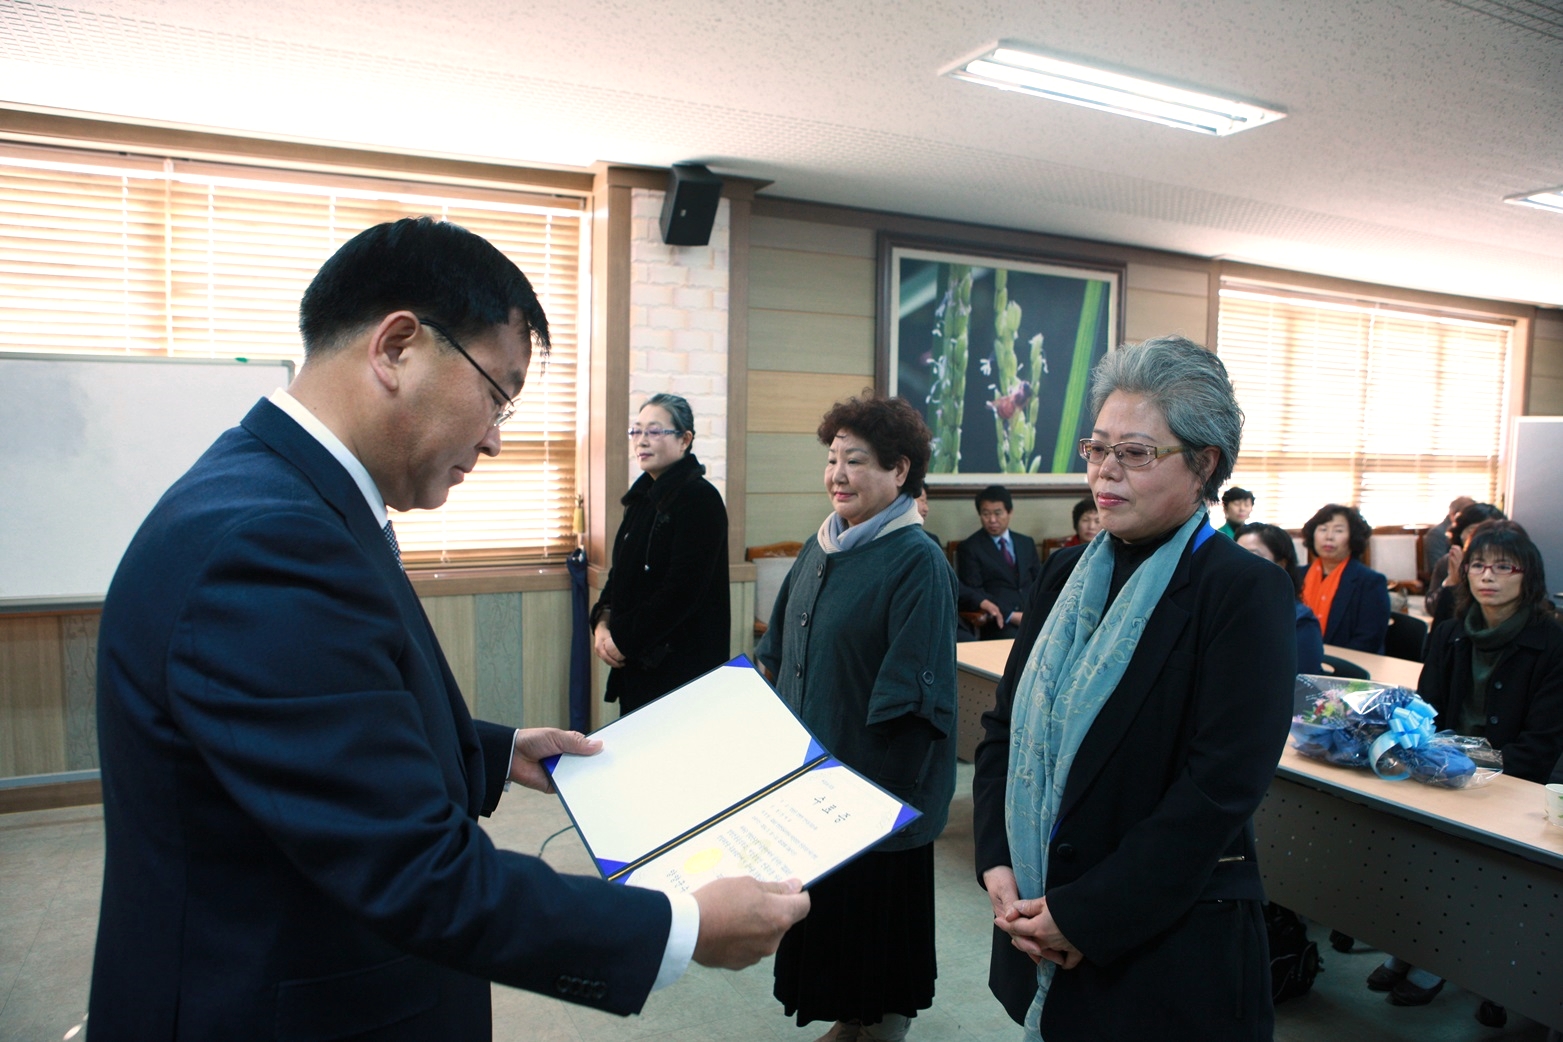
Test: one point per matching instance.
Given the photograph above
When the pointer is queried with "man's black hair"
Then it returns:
(435, 269)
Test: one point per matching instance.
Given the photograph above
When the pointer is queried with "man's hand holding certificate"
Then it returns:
(719, 779)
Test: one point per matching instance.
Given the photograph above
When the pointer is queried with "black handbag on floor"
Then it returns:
(1294, 960)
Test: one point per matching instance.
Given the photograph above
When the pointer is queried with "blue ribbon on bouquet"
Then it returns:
(1410, 727)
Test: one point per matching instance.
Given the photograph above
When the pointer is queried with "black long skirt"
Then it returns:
(866, 947)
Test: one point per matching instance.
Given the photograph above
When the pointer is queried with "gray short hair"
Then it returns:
(678, 410)
(1190, 387)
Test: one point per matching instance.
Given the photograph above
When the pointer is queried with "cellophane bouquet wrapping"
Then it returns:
(1359, 723)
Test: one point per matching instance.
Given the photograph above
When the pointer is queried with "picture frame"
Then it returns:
(995, 348)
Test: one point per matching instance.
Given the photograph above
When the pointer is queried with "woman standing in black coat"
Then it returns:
(663, 618)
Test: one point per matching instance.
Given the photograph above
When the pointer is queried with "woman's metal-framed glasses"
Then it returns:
(651, 432)
(502, 413)
(1501, 569)
(1131, 454)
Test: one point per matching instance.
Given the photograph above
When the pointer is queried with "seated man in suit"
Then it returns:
(291, 780)
(1000, 563)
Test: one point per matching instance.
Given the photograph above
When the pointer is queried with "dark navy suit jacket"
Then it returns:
(291, 785)
(979, 564)
(1359, 614)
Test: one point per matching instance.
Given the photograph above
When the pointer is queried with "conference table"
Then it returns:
(1467, 883)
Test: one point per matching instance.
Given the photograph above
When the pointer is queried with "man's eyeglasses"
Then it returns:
(1131, 454)
(502, 413)
(651, 432)
(1502, 569)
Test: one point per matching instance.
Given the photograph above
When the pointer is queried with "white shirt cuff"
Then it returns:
(682, 934)
(512, 761)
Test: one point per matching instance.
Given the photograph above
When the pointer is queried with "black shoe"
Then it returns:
(1490, 1014)
(1341, 942)
(1407, 994)
(1384, 979)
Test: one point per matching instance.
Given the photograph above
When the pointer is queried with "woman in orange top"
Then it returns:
(1350, 599)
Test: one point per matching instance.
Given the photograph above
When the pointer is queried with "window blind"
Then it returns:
(104, 253)
(1394, 411)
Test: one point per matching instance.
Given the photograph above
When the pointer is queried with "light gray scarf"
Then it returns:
(1074, 667)
(834, 535)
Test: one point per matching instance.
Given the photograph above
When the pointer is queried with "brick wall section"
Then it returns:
(678, 327)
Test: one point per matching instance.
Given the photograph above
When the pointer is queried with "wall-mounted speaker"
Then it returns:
(689, 207)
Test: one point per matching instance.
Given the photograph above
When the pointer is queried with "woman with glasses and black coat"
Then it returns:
(663, 618)
(1494, 670)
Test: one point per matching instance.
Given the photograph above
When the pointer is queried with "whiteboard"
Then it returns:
(88, 445)
(1535, 492)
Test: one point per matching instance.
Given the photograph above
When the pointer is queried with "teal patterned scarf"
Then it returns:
(1074, 667)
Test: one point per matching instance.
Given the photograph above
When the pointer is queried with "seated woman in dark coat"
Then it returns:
(1494, 670)
(1136, 728)
(663, 617)
(1350, 599)
(1275, 545)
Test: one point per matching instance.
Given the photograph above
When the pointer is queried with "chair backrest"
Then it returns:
(1407, 637)
(1052, 543)
(1339, 667)
(1395, 555)
(772, 562)
(950, 549)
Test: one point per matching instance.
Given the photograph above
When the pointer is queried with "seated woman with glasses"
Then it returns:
(1136, 729)
(1494, 670)
(1350, 599)
(663, 617)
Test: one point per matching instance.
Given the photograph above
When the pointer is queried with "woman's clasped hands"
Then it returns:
(1027, 921)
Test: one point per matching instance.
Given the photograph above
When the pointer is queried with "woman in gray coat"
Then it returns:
(862, 646)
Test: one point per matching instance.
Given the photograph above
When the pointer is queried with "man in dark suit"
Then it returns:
(1001, 563)
(291, 780)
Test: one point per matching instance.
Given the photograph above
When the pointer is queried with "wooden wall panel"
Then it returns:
(454, 621)
(497, 621)
(805, 342)
(792, 403)
(1151, 313)
(79, 666)
(779, 517)
(545, 659)
(32, 694)
(785, 463)
(812, 237)
(791, 280)
(1546, 366)
(741, 598)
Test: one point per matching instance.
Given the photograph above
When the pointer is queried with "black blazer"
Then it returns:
(291, 785)
(1359, 614)
(666, 597)
(1161, 794)
(979, 564)
(1524, 695)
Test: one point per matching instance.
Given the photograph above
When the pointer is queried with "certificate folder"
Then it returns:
(719, 778)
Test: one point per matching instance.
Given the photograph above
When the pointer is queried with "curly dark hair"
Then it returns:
(1506, 541)
(1361, 531)
(1279, 543)
(891, 426)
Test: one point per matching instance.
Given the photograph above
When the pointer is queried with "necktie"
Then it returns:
(390, 539)
(1003, 545)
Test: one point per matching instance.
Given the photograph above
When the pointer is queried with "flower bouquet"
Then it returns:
(1358, 723)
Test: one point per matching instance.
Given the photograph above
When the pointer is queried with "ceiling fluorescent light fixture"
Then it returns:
(1010, 66)
(1546, 199)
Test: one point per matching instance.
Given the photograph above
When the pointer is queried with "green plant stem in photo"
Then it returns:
(947, 397)
(1014, 400)
(1079, 373)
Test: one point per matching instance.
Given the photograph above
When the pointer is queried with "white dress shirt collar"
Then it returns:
(332, 444)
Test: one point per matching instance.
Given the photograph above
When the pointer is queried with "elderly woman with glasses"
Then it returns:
(663, 617)
(1136, 729)
(1494, 670)
(862, 647)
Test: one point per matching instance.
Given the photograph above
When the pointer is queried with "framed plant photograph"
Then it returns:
(996, 350)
